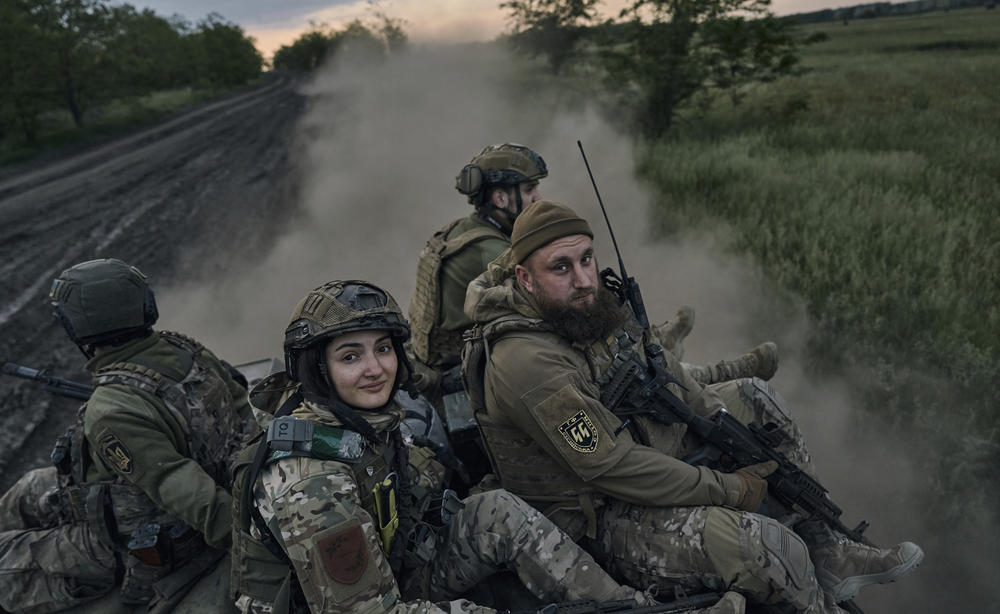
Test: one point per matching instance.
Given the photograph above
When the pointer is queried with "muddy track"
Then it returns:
(194, 197)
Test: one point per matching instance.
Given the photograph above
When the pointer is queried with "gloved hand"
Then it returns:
(753, 487)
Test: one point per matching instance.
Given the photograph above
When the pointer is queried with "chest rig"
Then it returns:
(381, 470)
(195, 397)
(431, 344)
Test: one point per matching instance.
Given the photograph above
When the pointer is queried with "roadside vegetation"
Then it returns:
(380, 37)
(74, 68)
(866, 181)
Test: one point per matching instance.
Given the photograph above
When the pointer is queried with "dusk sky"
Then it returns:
(274, 23)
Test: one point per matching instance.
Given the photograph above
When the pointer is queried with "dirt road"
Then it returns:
(172, 199)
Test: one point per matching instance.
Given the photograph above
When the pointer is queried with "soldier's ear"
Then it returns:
(524, 278)
(500, 198)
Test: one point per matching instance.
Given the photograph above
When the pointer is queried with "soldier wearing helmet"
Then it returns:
(140, 482)
(498, 182)
(336, 511)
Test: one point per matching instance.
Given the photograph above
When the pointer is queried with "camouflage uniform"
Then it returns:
(644, 513)
(150, 446)
(321, 512)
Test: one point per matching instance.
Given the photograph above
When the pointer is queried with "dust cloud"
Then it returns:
(379, 147)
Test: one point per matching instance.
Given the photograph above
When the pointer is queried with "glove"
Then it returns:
(753, 487)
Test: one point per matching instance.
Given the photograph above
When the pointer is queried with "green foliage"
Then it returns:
(225, 56)
(660, 55)
(549, 27)
(869, 186)
(80, 54)
(356, 42)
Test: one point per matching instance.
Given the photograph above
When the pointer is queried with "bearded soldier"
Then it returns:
(337, 512)
(140, 483)
(499, 182)
(551, 334)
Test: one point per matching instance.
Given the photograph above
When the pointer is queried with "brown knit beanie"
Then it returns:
(541, 223)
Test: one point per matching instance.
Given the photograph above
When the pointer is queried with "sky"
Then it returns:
(273, 23)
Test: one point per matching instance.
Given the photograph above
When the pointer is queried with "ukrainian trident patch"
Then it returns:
(579, 431)
(116, 454)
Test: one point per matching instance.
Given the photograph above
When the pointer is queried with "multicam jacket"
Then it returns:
(321, 510)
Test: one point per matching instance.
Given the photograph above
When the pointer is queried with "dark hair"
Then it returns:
(311, 370)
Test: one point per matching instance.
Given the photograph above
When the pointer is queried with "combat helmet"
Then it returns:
(335, 308)
(103, 302)
(503, 164)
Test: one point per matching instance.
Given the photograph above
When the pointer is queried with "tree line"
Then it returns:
(376, 39)
(658, 56)
(78, 54)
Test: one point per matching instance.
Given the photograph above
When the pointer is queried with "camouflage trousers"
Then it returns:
(46, 566)
(708, 547)
(497, 531)
(754, 400)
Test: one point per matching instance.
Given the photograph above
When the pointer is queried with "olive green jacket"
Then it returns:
(462, 268)
(544, 386)
(142, 427)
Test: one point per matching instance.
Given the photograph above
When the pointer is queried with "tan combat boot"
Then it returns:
(762, 362)
(844, 566)
(672, 333)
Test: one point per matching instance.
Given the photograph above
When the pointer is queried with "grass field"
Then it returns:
(870, 185)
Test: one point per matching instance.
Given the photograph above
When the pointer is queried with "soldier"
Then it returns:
(335, 512)
(140, 483)
(499, 183)
(551, 331)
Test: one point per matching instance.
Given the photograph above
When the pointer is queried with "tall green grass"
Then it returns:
(870, 186)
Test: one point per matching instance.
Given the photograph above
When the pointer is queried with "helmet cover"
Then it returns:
(503, 164)
(103, 301)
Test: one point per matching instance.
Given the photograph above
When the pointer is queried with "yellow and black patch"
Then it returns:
(580, 432)
(116, 454)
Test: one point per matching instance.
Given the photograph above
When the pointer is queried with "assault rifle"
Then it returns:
(638, 387)
(56, 385)
(681, 603)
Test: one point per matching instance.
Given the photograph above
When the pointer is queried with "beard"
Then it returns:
(584, 324)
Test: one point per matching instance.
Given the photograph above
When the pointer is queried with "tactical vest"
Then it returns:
(430, 343)
(197, 397)
(261, 574)
(262, 571)
(522, 466)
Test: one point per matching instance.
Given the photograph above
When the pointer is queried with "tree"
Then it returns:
(307, 52)
(225, 56)
(27, 72)
(660, 54)
(549, 27)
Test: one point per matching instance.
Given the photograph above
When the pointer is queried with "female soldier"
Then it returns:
(343, 516)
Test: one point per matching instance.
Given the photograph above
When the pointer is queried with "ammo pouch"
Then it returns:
(257, 573)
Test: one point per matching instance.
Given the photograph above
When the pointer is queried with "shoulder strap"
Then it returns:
(249, 502)
(470, 236)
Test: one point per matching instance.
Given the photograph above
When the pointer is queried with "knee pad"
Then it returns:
(760, 557)
(768, 405)
(789, 550)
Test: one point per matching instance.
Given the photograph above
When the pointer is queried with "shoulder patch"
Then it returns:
(344, 554)
(115, 453)
(580, 432)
